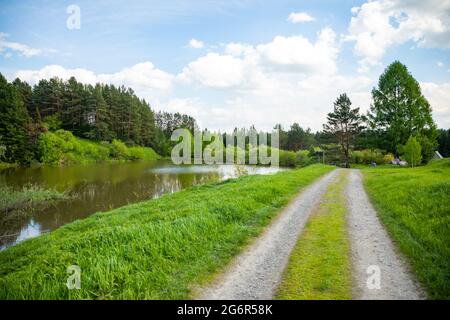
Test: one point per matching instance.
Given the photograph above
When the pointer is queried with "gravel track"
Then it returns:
(372, 246)
(256, 273)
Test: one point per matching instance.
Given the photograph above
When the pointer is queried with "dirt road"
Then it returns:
(256, 273)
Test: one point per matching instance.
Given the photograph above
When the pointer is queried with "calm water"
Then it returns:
(101, 187)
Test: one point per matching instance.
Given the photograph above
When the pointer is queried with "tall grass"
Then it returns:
(27, 197)
(414, 204)
(159, 249)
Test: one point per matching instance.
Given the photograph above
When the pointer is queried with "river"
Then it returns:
(102, 187)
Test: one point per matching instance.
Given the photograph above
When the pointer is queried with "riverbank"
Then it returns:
(158, 249)
(414, 206)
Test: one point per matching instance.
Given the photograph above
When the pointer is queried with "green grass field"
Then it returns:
(159, 249)
(414, 204)
(319, 267)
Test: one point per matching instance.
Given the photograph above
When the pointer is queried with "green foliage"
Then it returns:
(303, 158)
(158, 249)
(414, 206)
(388, 158)
(428, 146)
(62, 147)
(367, 156)
(399, 109)
(344, 123)
(13, 124)
(412, 152)
(2, 149)
(118, 150)
(287, 158)
(52, 122)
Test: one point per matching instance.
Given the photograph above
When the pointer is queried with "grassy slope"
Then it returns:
(62, 147)
(156, 249)
(414, 204)
(319, 267)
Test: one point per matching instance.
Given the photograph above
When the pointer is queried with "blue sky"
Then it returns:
(251, 64)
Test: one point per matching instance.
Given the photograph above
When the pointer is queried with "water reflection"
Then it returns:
(102, 187)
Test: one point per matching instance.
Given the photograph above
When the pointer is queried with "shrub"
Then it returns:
(388, 157)
(357, 157)
(118, 149)
(287, 158)
(367, 156)
(135, 153)
(303, 159)
(52, 122)
(50, 148)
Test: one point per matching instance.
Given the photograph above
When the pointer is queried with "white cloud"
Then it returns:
(300, 17)
(20, 48)
(215, 70)
(248, 67)
(196, 44)
(439, 96)
(440, 64)
(298, 54)
(146, 80)
(377, 25)
(50, 71)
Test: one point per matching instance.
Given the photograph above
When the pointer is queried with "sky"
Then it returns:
(233, 63)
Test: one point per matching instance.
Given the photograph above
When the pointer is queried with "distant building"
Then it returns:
(437, 155)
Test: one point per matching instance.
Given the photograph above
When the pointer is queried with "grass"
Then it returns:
(319, 267)
(26, 198)
(159, 249)
(18, 205)
(5, 165)
(414, 204)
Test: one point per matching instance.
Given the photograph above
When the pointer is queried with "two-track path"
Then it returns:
(257, 272)
(371, 247)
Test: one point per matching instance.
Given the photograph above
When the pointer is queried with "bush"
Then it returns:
(303, 158)
(50, 148)
(288, 158)
(367, 156)
(135, 153)
(52, 122)
(118, 150)
(388, 158)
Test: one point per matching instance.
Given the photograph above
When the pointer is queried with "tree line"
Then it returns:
(399, 120)
(100, 112)
(399, 113)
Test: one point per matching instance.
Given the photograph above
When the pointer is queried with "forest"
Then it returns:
(118, 118)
